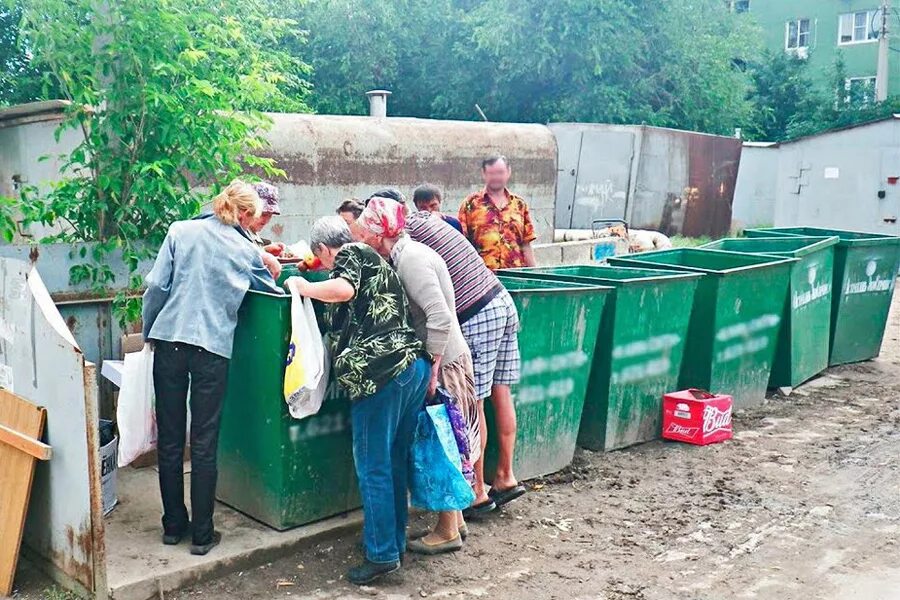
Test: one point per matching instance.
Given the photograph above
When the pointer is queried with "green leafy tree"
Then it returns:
(666, 63)
(783, 97)
(20, 80)
(841, 106)
(358, 45)
(166, 95)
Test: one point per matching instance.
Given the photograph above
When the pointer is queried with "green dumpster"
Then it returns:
(802, 351)
(559, 323)
(734, 321)
(279, 470)
(865, 271)
(639, 349)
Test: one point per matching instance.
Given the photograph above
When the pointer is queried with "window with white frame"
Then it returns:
(741, 6)
(796, 34)
(859, 90)
(857, 27)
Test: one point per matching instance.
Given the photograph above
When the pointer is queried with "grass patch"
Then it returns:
(680, 241)
(57, 593)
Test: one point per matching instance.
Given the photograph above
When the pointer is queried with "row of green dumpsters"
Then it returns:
(600, 345)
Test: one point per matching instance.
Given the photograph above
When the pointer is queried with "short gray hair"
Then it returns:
(331, 232)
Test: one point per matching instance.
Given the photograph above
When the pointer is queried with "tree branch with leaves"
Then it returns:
(167, 95)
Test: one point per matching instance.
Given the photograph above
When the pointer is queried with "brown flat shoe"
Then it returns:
(422, 547)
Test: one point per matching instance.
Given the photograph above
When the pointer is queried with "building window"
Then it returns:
(860, 91)
(797, 34)
(741, 6)
(857, 27)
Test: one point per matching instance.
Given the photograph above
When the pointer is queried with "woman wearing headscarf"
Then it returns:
(433, 307)
(202, 273)
(379, 362)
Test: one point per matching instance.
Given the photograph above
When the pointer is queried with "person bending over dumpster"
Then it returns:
(268, 193)
(350, 209)
(427, 282)
(379, 362)
(490, 324)
(428, 197)
(202, 272)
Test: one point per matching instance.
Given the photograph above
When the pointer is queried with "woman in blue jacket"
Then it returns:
(204, 268)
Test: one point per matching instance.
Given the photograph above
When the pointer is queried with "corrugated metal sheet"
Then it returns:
(678, 182)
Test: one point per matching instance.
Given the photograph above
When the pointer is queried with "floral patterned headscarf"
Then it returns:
(384, 217)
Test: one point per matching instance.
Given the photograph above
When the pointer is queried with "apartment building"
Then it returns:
(817, 30)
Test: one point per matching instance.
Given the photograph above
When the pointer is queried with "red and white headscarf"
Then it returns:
(384, 217)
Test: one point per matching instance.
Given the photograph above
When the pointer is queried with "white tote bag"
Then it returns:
(307, 364)
(136, 411)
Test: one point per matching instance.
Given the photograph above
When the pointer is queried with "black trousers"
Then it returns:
(175, 367)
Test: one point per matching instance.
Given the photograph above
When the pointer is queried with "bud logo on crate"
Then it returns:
(696, 417)
(676, 429)
(715, 420)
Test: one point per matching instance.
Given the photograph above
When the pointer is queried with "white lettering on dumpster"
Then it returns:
(801, 299)
(640, 371)
(317, 426)
(873, 283)
(658, 363)
(748, 328)
(746, 338)
(551, 364)
(657, 343)
(535, 394)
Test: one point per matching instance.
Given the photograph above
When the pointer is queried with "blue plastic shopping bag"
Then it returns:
(436, 479)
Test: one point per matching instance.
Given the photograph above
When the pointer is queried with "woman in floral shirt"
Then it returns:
(379, 361)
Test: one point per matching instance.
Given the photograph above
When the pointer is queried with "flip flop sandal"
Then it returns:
(479, 510)
(501, 497)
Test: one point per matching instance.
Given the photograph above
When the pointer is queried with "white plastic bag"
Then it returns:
(136, 411)
(307, 366)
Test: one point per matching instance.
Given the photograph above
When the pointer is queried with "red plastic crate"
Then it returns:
(697, 417)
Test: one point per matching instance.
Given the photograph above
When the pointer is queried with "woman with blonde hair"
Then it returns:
(202, 272)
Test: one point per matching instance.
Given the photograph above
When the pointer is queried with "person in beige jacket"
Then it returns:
(428, 286)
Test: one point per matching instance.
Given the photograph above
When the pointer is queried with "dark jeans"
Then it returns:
(175, 366)
(383, 428)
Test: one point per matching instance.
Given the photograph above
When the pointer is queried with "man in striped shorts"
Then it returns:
(490, 324)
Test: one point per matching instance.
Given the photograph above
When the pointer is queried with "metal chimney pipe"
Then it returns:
(378, 103)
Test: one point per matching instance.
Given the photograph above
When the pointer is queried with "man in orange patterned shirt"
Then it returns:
(497, 221)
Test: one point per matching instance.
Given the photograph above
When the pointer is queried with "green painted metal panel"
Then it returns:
(865, 274)
(639, 349)
(806, 329)
(735, 319)
(559, 323)
(279, 470)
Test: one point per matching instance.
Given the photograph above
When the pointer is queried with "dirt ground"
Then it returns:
(804, 503)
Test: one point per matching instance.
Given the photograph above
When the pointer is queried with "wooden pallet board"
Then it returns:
(23, 425)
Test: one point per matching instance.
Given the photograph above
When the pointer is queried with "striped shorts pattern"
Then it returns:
(493, 338)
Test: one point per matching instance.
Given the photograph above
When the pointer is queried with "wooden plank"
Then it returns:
(23, 443)
(16, 475)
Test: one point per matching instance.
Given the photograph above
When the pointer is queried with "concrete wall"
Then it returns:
(754, 193)
(833, 180)
(329, 158)
(24, 140)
